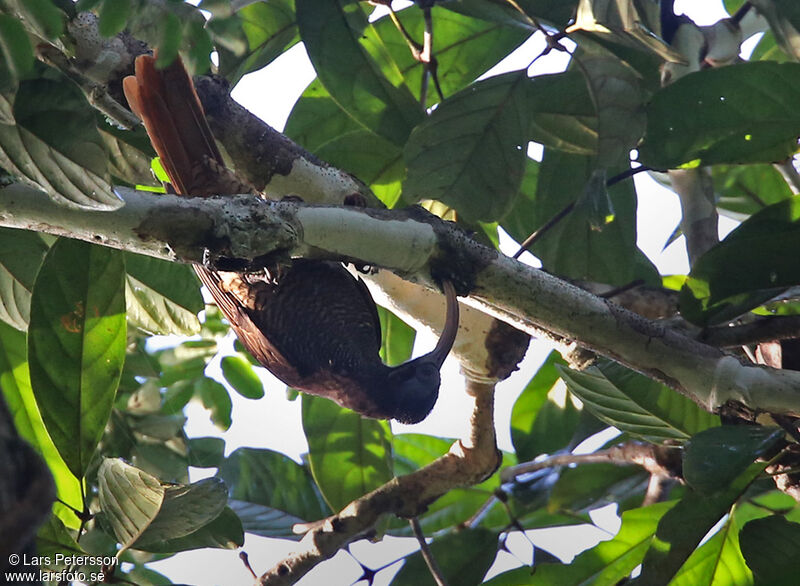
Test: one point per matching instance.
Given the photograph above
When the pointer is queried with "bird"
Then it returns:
(312, 323)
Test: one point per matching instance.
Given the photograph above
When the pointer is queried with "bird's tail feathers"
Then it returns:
(166, 101)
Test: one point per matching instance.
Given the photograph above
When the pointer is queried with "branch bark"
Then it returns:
(421, 248)
(469, 461)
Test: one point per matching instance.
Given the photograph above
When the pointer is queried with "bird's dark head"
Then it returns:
(414, 388)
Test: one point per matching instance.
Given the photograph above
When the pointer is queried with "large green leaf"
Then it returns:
(317, 119)
(129, 498)
(269, 29)
(717, 561)
(464, 47)
(771, 547)
(713, 458)
(563, 115)
(470, 153)
(282, 490)
(636, 404)
(684, 526)
(618, 96)
(349, 455)
(21, 254)
(239, 373)
(742, 113)
(555, 12)
(463, 557)
(574, 247)
(397, 338)
(605, 564)
(331, 30)
(223, 532)
(373, 159)
(543, 418)
(76, 344)
(591, 486)
(184, 510)
(16, 48)
(744, 190)
(56, 146)
(16, 388)
(162, 297)
(750, 266)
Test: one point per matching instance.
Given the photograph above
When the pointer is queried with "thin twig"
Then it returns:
(779, 327)
(539, 232)
(96, 93)
(427, 554)
(654, 459)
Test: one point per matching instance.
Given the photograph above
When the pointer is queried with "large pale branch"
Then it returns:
(421, 248)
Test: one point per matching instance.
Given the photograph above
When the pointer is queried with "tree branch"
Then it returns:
(422, 248)
(468, 462)
(658, 460)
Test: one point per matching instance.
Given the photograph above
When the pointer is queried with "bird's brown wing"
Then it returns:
(166, 101)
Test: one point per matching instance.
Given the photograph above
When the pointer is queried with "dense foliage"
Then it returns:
(104, 408)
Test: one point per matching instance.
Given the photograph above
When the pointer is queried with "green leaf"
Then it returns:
(555, 12)
(713, 458)
(317, 119)
(572, 248)
(76, 344)
(54, 538)
(636, 404)
(717, 561)
(742, 113)
(162, 297)
(605, 564)
(130, 499)
(186, 361)
(397, 338)
(563, 115)
(591, 486)
(771, 547)
(21, 254)
(128, 159)
(463, 557)
(283, 490)
(72, 172)
(206, 452)
(170, 39)
(744, 190)
(470, 153)
(216, 399)
(374, 160)
(238, 371)
(16, 390)
(681, 530)
(184, 510)
(16, 46)
(224, 532)
(41, 17)
(755, 252)
(465, 48)
(269, 29)
(349, 455)
(543, 418)
(114, 16)
(618, 96)
(330, 30)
